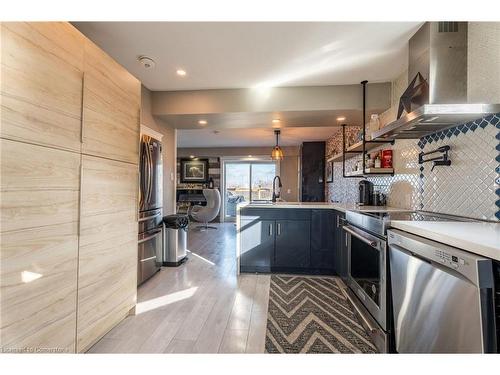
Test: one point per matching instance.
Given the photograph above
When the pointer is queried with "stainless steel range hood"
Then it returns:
(431, 118)
(438, 50)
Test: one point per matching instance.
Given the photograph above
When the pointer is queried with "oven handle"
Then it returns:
(360, 237)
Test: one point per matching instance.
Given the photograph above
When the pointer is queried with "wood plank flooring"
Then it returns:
(199, 307)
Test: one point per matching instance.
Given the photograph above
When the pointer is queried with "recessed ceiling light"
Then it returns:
(181, 72)
(249, 156)
(202, 122)
(191, 156)
(341, 118)
(276, 121)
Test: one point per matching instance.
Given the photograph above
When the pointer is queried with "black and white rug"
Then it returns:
(309, 314)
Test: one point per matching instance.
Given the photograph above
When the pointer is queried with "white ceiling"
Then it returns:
(242, 55)
(255, 137)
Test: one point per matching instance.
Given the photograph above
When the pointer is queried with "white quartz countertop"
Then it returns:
(320, 205)
(478, 238)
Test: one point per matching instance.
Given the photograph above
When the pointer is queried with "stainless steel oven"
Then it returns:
(367, 279)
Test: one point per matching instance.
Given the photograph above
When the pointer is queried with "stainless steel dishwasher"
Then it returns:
(443, 297)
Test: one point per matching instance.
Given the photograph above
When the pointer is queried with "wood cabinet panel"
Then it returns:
(107, 279)
(42, 83)
(111, 108)
(38, 287)
(39, 236)
(39, 186)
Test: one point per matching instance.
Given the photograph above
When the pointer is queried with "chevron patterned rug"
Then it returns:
(309, 314)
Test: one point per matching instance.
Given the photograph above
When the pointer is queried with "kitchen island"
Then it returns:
(294, 237)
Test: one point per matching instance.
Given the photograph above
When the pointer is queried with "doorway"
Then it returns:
(246, 181)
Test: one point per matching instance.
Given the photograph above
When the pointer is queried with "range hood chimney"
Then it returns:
(438, 51)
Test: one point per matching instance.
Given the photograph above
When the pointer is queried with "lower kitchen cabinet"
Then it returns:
(288, 240)
(323, 239)
(341, 255)
(292, 247)
(257, 245)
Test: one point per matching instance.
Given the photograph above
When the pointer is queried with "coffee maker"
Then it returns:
(365, 193)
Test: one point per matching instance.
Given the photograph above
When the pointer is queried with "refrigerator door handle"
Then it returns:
(148, 174)
(143, 187)
(155, 234)
(150, 190)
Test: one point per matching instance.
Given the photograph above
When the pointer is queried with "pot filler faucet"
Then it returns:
(276, 196)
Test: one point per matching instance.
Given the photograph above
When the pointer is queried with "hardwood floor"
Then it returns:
(199, 307)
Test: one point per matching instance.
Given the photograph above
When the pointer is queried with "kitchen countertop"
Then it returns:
(480, 238)
(320, 205)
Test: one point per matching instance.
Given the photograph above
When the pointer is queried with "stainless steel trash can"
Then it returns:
(175, 228)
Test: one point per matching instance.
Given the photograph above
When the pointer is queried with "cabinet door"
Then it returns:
(39, 246)
(323, 239)
(256, 245)
(107, 278)
(111, 108)
(293, 243)
(341, 247)
(41, 94)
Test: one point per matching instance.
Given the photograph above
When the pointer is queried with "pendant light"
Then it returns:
(277, 153)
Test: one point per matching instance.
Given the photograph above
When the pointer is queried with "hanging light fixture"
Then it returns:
(277, 153)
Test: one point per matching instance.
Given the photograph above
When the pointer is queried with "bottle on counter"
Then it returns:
(377, 163)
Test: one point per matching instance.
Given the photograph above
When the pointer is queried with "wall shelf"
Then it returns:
(371, 172)
(362, 147)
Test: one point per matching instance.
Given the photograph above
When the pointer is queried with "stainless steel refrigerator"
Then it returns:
(150, 208)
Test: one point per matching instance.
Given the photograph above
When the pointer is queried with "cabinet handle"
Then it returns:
(279, 229)
(270, 229)
(338, 221)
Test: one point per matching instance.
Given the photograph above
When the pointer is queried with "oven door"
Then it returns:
(366, 266)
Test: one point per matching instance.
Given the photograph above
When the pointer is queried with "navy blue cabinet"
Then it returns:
(340, 247)
(290, 240)
(292, 246)
(323, 239)
(256, 245)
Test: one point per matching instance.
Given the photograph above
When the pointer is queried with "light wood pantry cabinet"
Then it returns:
(69, 140)
(111, 108)
(42, 84)
(39, 246)
(107, 277)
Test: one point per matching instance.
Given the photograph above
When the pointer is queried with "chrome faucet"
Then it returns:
(275, 196)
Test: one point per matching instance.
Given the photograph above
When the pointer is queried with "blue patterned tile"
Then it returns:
(498, 215)
(483, 124)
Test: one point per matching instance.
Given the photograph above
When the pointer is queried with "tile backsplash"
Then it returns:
(469, 187)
